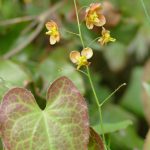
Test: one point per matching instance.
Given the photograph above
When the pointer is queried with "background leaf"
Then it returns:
(11, 75)
(113, 127)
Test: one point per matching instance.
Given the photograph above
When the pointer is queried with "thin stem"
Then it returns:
(92, 86)
(79, 28)
(98, 104)
(145, 10)
(17, 20)
(93, 41)
(82, 72)
(101, 124)
(105, 100)
(72, 32)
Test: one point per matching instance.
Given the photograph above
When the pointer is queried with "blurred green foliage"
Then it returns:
(112, 65)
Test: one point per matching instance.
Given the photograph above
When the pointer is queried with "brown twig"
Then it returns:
(17, 20)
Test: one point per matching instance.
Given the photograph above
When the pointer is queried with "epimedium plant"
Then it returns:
(64, 123)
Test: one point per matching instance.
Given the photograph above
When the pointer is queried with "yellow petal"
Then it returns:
(48, 25)
(105, 32)
(58, 37)
(51, 24)
(52, 40)
(89, 25)
(112, 39)
(87, 52)
(95, 6)
(48, 32)
(101, 21)
(101, 41)
(74, 56)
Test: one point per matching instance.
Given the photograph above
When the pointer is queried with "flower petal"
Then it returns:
(95, 6)
(89, 25)
(112, 39)
(53, 40)
(101, 21)
(87, 52)
(74, 56)
(48, 25)
(51, 24)
(57, 37)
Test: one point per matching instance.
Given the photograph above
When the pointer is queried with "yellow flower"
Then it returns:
(106, 37)
(81, 59)
(53, 32)
(94, 16)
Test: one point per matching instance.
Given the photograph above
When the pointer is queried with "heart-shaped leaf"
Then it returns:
(95, 142)
(62, 125)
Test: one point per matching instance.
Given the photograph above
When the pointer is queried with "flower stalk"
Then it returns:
(98, 104)
(89, 77)
(79, 26)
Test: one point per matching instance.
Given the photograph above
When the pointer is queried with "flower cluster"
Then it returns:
(81, 59)
(93, 17)
(105, 37)
(53, 32)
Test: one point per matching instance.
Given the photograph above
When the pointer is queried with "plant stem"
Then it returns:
(79, 28)
(90, 80)
(70, 32)
(98, 104)
(92, 86)
(82, 72)
(17, 20)
(106, 99)
(93, 41)
(145, 10)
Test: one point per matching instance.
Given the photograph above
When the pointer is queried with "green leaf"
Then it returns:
(113, 50)
(63, 124)
(126, 140)
(113, 127)
(132, 98)
(57, 65)
(11, 75)
(95, 141)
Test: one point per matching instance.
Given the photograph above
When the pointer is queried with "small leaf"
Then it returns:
(113, 127)
(62, 125)
(95, 142)
(126, 140)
